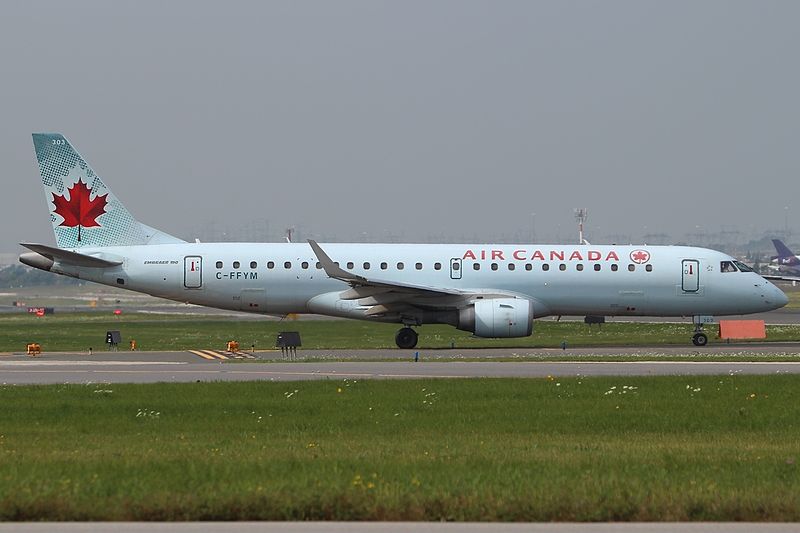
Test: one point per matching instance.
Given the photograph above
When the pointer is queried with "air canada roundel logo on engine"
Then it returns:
(640, 256)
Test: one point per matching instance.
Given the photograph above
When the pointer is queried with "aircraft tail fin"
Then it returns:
(85, 212)
(782, 249)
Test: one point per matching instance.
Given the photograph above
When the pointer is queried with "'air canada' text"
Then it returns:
(547, 255)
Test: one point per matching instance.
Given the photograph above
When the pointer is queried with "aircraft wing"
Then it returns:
(780, 278)
(385, 297)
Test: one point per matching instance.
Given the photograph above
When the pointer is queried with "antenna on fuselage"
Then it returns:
(289, 232)
(581, 215)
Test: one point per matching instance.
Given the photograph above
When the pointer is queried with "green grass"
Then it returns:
(585, 449)
(79, 331)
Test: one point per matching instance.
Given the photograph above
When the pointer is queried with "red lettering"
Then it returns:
(556, 255)
(594, 255)
(538, 255)
(612, 255)
(498, 254)
(469, 254)
(519, 255)
(483, 254)
(576, 255)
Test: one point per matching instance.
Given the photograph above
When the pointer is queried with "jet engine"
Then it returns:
(498, 317)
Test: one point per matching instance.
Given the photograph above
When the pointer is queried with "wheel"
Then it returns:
(406, 338)
(700, 339)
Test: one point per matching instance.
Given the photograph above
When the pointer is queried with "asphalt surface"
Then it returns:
(153, 367)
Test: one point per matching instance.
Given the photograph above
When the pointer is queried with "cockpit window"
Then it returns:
(727, 266)
(743, 267)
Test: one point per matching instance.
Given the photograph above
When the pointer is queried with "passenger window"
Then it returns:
(476, 266)
(545, 267)
(614, 267)
(319, 265)
(287, 265)
(304, 265)
(384, 266)
(418, 266)
(562, 266)
(270, 264)
(253, 264)
(579, 267)
(236, 264)
(350, 264)
(366, 266)
(597, 267)
(511, 266)
(727, 266)
(631, 268)
(649, 268)
(494, 266)
(437, 266)
(219, 264)
(400, 266)
(528, 266)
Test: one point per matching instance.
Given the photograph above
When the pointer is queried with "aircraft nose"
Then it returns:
(779, 299)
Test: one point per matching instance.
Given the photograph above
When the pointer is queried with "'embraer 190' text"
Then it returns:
(548, 255)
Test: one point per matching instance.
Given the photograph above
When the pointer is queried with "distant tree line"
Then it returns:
(23, 276)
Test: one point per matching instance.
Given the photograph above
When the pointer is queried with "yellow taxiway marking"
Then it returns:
(208, 354)
(201, 354)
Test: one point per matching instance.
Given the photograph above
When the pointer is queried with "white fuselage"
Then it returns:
(558, 279)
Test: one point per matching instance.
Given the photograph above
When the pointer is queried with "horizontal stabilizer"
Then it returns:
(70, 258)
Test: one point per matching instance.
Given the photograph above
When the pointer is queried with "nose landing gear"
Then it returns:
(406, 338)
(699, 339)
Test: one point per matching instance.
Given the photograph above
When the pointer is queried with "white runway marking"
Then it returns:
(728, 363)
(88, 363)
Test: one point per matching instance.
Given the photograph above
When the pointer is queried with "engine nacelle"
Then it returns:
(498, 317)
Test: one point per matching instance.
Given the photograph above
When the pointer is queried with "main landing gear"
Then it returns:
(406, 338)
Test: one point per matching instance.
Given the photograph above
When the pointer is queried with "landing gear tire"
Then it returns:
(700, 339)
(406, 338)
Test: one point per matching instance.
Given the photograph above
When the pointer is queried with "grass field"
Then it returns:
(585, 449)
(79, 331)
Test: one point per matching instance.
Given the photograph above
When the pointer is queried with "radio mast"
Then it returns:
(581, 214)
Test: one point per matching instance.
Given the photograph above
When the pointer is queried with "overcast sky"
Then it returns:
(411, 120)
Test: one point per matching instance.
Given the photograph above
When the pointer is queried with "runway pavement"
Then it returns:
(152, 367)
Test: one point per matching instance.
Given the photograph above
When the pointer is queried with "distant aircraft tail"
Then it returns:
(782, 249)
(85, 212)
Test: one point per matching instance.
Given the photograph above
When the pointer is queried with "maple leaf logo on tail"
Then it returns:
(80, 210)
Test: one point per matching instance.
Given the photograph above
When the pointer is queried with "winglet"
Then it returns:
(332, 269)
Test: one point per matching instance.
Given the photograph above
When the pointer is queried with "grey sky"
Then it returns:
(411, 119)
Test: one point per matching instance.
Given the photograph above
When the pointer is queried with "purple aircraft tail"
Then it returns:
(785, 255)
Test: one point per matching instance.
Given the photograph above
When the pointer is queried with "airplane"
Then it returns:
(490, 290)
(786, 261)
